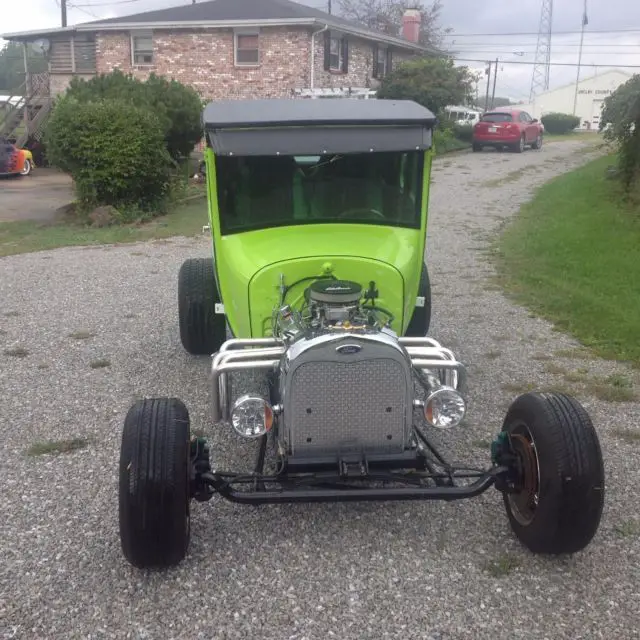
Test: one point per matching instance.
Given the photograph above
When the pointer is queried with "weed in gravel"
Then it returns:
(57, 446)
(81, 334)
(608, 392)
(138, 253)
(11, 314)
(619, 380)
(493, 354)
(16, 352)
(628, 528)
(482, 444)
(577, 353)
(512, 176)
(129, 315)
(552, 367)
(579, 375)
(43, 365)
(631, 436)
(502, 566)
(541, 357)
(100, 363)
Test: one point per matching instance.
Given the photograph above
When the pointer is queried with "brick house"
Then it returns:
(230, 48)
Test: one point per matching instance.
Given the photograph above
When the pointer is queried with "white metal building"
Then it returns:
(591, 94)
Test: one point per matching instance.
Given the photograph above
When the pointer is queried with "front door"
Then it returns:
(596, 113)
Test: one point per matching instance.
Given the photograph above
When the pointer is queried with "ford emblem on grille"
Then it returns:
(348, 349)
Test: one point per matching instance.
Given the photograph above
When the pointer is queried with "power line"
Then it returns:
(554, 64)
(533, 33)
(105, 4)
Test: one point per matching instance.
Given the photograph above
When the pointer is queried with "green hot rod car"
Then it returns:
(318, 217)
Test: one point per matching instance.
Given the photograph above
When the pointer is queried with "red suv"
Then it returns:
(512, 128)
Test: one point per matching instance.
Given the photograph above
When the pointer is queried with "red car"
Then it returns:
(511, 128)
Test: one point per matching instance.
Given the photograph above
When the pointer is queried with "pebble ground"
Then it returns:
(86, 331)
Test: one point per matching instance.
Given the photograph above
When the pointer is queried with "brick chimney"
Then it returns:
(411, 25)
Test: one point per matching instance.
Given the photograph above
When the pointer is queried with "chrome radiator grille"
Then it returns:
(348, 404)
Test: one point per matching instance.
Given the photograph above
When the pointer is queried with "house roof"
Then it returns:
(229, 13)
(275, 112)
(582, 80)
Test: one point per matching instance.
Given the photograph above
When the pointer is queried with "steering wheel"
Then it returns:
(364, 212)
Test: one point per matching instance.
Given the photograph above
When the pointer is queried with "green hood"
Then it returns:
(249, 266)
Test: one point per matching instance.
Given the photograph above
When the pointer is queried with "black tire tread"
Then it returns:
(202, 331)
(572, 473)
(154, 483)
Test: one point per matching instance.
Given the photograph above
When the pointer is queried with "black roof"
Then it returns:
(248, 10)
(274, 112)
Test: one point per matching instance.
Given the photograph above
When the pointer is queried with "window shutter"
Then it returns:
(389, 68)
(345, 55)
(374, 73)
(327, 50)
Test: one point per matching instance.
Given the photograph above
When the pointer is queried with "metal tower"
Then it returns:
(540, 79)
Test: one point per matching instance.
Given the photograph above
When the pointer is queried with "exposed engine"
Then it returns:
(332, 305)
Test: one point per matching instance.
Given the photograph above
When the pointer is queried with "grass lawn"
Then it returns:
(28, 236)
(585, 136)
(573, 256)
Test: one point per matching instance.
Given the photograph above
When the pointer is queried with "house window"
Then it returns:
(142, 48)
(381, 62)
(247, 49)
(336, 53)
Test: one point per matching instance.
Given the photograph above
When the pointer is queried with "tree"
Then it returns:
(621, 124)
(432, 82)
(177, 106)
(500, 102)
(12, 66)
(386, 16)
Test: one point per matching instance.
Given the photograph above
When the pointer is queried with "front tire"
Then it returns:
(421, 318)
(202, 330)
(538, 142)
(558, 506)
(154, 483)
(26, 168)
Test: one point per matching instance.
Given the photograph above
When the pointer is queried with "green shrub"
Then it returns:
(559, 123)
(115, 153)
(177, 106)
(621, 125)
(463, 132)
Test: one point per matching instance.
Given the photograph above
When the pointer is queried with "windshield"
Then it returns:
(497, 117)
(257, 192)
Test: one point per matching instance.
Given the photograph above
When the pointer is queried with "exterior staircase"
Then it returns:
(26, 113)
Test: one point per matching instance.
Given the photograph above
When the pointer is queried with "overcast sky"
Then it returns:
(619, 18)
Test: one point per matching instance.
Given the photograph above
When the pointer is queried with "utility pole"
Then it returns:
(495, 78)
(63, 12)
(585, 22)
(488, 74)
(329, 7)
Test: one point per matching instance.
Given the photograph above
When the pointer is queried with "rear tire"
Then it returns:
(154, 483)
(519, 146)
(476, 147)
(559, 507)
(202, 330)
(421, 318)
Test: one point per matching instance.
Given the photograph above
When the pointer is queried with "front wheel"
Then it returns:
(558, 500)
(155, 483)
(26, 168)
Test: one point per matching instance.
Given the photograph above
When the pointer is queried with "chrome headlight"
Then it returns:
(445, 408)
(251, 416)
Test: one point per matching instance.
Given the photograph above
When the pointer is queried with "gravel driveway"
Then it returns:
(360, 571)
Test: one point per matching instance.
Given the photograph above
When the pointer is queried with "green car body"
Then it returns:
(249, 263)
